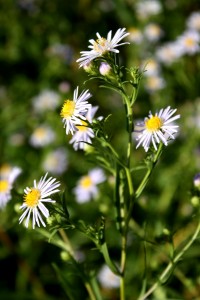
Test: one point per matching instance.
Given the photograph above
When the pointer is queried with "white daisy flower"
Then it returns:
(153, 32)
(8, 175)
(34, 198)
(151, 66)
(135, 36)
(46, 100)
(43, 135)
(83, 136)
(107, 278)
(189, 42)
(147, 8)
(56, 161)
(169, 52)
(157, 128)
(86, 188)
(154, 83)
(73, 111)
(103, 45)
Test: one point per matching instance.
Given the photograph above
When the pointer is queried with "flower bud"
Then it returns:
(195, 201)
(196, 181)
(104, 69)
(64, 256)
(166, 232)
(90, 68)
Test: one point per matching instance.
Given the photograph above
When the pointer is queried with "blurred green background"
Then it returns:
(40, 42)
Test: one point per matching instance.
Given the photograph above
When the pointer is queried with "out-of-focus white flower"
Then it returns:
(63, 51)
(73, 111)
(107, 278)
(34, 198)
(135, 35)
(8, 175)
(147, 8)
(42, 136)
(169, 53)
(189, 42)
(55, 162)
(151, 67)
(29, 5)
(16, 139)
(153, 32)
(46, 100)
(193, 22)
(86, 188)
(64, 87)
(101, 46)
(157, 128)
(84, 134)
(154, 83)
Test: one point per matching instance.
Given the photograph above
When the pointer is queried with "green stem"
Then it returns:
(171, 265)
(123, 265)
(148, 173)
(90, 291)
(123, 205)
(128, 203)
(66, 241)
(130, 184)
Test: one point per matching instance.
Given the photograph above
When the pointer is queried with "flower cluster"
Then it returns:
(77, 114)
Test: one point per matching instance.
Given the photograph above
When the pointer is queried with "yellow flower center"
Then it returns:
(153, 82)
(82, 127)
(67, 109)
(32, 198)
(40, 132)
(3, 186)
(189, 42)
(86, 182)
(99, 44)
(153, 124)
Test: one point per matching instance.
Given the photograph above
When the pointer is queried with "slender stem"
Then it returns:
(123, 265)
(148, 173)
(131, 193)
(124, 203)
(130, 184)
(129, 127)
(90, 291)
(66, 241)
(170, 266)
